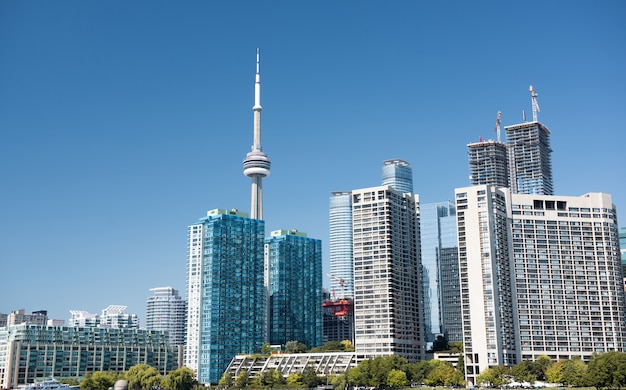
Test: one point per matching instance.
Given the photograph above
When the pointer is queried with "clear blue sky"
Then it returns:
(123, 122)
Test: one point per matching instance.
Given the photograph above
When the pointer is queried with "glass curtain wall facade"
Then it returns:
(440, 271)
(387, 286)
(397, 174)
(340, 244)
(166, 310)
(294, 284)
(530, 161)
(226, 296)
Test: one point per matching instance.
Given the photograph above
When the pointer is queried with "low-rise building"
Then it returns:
(29, 352)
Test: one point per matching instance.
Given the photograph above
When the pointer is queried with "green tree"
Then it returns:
(180, 379)
(524, 372)
(607, 370)
(540, 366)
(87, 382)
(357, 376)
(418, 372)
(554, 373)
(573, 372)
(142, 376)
(226, 381)
(440, 344)
(374, 372)
(397, 378)
(330, 346)
(494, 376)
(98, 380)
(242, 380)
(347, 345)
(338, 381)
(460, 365)
(456, 346)
(265, 379)
(441, 373)
(265, 349)
(309, 376)
(294, 380)
(294, 346)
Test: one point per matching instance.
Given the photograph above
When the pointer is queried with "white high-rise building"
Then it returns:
(540, 275)
(166, 310)
(387, 289)
(484, 272)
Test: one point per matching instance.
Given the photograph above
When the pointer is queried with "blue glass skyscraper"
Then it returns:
(440, 271)
(340, 243)
(225, 289)
(294, 285)
(398, 174)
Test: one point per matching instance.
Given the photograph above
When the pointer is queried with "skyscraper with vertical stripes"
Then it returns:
(388, 312)
(225, 289)
(293, 264)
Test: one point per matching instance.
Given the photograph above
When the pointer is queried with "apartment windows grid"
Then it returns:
(388, 316)
(227, 310)
(567, 276)
(486, 300)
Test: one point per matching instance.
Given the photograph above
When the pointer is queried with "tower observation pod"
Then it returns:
(257, 165)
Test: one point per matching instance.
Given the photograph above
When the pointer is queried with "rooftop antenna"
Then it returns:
(536, 109)
(498, 125)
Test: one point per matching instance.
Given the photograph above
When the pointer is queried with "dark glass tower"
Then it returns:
(294, 285)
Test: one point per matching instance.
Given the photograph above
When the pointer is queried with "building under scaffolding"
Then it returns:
(338, 320)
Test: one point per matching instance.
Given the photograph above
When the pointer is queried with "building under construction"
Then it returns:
(338, 320)
(488, 163)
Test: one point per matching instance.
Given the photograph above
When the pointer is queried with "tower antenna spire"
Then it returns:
(535, 105)
(256, 164)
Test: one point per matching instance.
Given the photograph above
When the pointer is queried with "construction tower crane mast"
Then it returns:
(342, 282)
(498, 125)
(535, 105)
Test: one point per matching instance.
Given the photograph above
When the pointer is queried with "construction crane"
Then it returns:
(498, 125)
(343, 306)
(342, 282)
(535, 105)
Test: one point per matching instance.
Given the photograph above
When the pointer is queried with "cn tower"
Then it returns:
(257, 165)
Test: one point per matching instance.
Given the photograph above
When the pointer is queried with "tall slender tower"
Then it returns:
(257, 165)
(388, 308)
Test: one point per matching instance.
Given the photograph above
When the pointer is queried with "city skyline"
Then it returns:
(112, 119)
